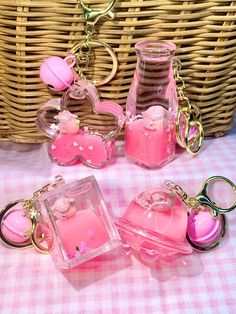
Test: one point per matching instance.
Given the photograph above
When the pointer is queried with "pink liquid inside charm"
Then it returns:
(68, 148)
(76, 223)
(152, 106)
(155, 224)
(70, 141)
(149, 147)
(82, 233)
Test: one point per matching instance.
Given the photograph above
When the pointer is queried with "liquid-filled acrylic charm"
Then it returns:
(71, 142)
(156, 120)
(77, 223)
(152, 106)
(155, 224)
(163, 221)
(68, 220)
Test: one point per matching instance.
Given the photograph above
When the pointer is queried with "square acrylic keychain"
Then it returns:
(70, 221)
(78, 224)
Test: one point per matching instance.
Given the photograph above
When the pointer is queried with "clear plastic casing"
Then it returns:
(152, 106)
(75, 140)
(76, 224)
(155, 224)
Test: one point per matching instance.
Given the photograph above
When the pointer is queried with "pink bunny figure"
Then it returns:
(154, 117)
(75, 143)
(64, 208)
(156, 199)
(68, 122)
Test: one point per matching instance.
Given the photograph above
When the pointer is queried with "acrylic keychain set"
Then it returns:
(154, 122)
(71, 220)
(72, 223)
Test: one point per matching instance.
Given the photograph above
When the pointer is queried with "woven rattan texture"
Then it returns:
(31, 30)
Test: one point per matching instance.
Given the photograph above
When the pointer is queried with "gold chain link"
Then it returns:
(189, 201)
(83, 55)
(180, 84)
(189, 130)
(28, 205)
(33, 214)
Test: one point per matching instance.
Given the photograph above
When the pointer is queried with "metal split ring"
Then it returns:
(91, 43)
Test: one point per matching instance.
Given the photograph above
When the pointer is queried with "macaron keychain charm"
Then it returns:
(207, 223)
(15, 225)
(19, 226)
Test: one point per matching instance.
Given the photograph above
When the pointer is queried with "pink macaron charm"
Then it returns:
(204, 230)
(15, 225)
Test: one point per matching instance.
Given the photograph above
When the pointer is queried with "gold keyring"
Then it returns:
(179, 139)
(204, 199)
(93, 42)
(215, 244)
(190, 122)
(15, 245)
(198, 137)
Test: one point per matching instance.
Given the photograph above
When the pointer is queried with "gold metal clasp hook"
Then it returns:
(204, 199)
(93, 15)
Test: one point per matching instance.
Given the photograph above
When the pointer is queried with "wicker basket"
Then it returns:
(31, 30)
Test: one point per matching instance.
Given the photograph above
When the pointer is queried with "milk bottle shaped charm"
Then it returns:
(152, 106)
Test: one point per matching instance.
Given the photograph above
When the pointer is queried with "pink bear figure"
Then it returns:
(68, 122)
(154, 117)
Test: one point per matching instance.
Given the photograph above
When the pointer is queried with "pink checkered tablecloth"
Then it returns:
(116, 283)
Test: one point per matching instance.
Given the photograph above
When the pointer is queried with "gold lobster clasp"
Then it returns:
(93, 15)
